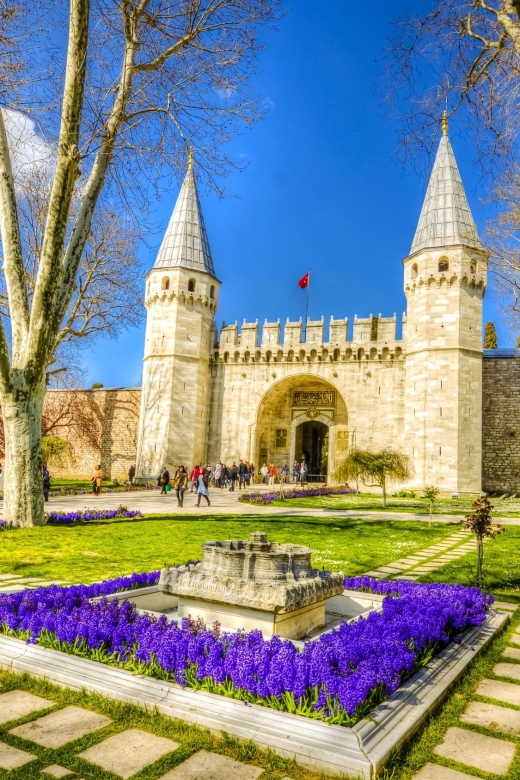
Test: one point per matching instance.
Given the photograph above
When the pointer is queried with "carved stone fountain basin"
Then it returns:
(254, 584)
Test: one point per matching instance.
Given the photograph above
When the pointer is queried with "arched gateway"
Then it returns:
(302, 418)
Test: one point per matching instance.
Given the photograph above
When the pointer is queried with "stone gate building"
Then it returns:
(291, 391)
(287, 391)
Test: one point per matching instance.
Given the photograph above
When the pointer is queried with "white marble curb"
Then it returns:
(357, 752)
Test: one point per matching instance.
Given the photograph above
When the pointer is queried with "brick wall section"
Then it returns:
(501, 425)
(101, 425)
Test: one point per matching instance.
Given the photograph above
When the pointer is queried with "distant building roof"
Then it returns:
(500, 354)
(445, 219)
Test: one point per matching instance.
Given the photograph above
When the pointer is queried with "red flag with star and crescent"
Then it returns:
(304, 281)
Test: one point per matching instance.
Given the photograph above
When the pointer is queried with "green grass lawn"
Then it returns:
(86, 553)
(506, 507)
(501, 569)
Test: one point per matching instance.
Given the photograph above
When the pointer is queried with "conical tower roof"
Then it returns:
(446, 218)
(185, 243)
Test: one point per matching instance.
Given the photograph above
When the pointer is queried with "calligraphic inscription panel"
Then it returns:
(314, 398)
(342, 440)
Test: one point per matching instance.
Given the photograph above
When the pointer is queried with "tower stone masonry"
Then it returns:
(301, 390)
(181, 299)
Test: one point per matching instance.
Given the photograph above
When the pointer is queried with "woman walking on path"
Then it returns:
(181, 483)
(264, 471)
(164, 480)
(97, 479)
(202, 488)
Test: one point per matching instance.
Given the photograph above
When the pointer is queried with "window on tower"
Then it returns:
(415, 271)
(191, 285)
(165, 284)
(212, 292)
(444, 264)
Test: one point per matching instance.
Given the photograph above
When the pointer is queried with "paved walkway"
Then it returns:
(495, 713)
(224, 502)
(49, 736)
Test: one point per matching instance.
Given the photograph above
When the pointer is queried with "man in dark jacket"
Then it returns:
(233, 473)
(242, 474)
(164, 480)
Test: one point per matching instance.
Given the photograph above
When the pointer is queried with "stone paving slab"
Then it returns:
(507, 670)
(58, 728)
(502, 691)
(127, 753)
(512, 652)
(212, 766)
(10, 577)
(468, 747)
(55, 770)
(12, 758)
(438, 772)
(491, 717)
(506, 605)
(18, 704)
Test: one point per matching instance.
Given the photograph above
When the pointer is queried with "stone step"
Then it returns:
(476, 750)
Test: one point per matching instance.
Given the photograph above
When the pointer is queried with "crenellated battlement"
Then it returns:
(374, 338)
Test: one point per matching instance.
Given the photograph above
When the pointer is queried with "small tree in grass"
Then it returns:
(375, 468)
(480, 523)
(431, 493)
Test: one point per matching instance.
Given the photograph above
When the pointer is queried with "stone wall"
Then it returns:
(501, 425)
(101, 426)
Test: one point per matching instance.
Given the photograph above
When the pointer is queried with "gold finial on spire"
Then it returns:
(190, 159)
(444, 123)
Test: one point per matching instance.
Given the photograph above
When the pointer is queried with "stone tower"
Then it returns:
(444, 281)
(181, 300)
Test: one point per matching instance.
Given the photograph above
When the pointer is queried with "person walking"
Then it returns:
(285, 474)
(217, 473)
(131, 473)
(252, 473)
(202, 487)
(232, 475)
(181, 483)
(97, 480)
(303, 472)
(272, 473)
(164, 480)
(224, 475)
(193, 478)
(264, 473)
(46, 482)
(296, 472)
(242, 472)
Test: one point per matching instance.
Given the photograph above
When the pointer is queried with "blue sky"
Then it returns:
(322, 187)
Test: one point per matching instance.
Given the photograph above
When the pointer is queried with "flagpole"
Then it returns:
(307, 304)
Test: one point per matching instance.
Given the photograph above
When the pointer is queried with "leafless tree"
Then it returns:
(108, 286)
(464, 54)
(138, 82)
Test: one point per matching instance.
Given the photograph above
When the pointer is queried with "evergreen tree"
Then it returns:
(518, 342)
(490, 336)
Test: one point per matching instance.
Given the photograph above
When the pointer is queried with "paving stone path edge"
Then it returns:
(360, 751)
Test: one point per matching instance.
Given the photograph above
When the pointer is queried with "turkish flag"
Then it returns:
(304, 281)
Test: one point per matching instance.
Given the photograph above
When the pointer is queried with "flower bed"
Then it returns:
(268, 498)
(7, 525)
(337, 678)
(64, 518)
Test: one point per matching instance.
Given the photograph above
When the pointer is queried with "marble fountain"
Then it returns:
(255, 584)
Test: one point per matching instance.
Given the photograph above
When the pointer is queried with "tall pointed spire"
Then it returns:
(446, 218)
(185, 243)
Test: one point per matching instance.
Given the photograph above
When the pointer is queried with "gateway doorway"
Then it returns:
(312, 444)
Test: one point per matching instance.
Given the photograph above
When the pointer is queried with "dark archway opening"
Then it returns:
(312, 444)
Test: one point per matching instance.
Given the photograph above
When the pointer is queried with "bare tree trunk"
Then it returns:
(23, 487)
(431, 512)
(480, 558)
(384, 493)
